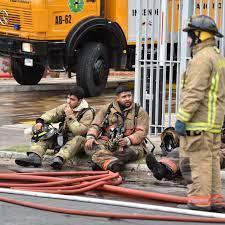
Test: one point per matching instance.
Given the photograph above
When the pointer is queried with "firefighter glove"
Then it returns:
(180, 128)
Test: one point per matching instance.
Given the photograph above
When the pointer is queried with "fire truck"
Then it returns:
(84, 38)
(81, 37)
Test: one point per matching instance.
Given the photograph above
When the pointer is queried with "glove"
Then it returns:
(180, 128)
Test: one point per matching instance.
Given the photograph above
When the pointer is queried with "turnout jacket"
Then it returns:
(135, 129)
(73, 125)
(203, 91)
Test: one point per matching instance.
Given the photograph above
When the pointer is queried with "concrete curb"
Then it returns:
(10, 155)
(58, 84)
(130, 167)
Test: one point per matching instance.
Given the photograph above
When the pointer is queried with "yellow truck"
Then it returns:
(85, 37)
(81, 37)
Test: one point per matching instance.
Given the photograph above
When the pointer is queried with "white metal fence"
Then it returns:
(162, 53)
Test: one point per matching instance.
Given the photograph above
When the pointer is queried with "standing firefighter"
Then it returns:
(200, 116)
(117, 134)
(75, 117)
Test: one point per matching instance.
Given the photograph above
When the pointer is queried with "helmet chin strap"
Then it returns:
(198, 40)
(195, 38)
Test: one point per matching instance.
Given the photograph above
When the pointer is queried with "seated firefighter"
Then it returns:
(168, 166)
(75, 117)
(117, 134)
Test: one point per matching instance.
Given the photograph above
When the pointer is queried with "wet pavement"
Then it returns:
(21, 107)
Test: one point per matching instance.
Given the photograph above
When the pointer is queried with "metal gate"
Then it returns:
(162, 53)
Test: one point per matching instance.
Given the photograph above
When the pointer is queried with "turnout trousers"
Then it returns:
(68, 151)
(102, 156)
(200, 167)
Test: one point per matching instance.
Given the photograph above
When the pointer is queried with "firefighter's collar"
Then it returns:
(82, 105)
(206, 43)
(117, 108)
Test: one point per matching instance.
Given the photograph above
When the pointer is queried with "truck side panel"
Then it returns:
(63, 17)
(117, 11)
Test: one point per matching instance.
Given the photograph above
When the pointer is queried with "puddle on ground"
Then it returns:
(26, 106)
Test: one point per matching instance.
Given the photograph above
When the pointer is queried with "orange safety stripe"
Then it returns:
(217, 198)
(202, 201)
(133, 140)
(106, 163)
(170, 164)
(137, 128)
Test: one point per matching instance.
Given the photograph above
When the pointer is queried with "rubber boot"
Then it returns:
(193, 207)
(199, 208)
(116, 166)
(31, 160)
(95, 167)
(57, 163)
(158, 170)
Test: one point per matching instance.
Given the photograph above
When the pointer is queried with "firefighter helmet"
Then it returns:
(46, 133)
(203, 23)
(169, 140)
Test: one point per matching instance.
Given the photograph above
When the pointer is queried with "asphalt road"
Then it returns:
(13, 214)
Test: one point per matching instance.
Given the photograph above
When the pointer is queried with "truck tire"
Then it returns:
(26, 75)
(93, 68)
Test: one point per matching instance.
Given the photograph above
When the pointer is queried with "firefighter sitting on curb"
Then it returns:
(168, 166)
(117, 134)
(200, 116)
(75, 117)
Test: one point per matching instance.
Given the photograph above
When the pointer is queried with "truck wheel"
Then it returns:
(93, 68)
(26, 75)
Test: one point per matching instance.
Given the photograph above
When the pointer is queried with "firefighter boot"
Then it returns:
(159, 170)
(95, 167)
(199, 208)
(116, 166)
(31, 160)
(57, 163)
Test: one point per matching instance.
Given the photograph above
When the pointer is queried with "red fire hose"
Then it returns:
(111, 215)
(102, 180)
